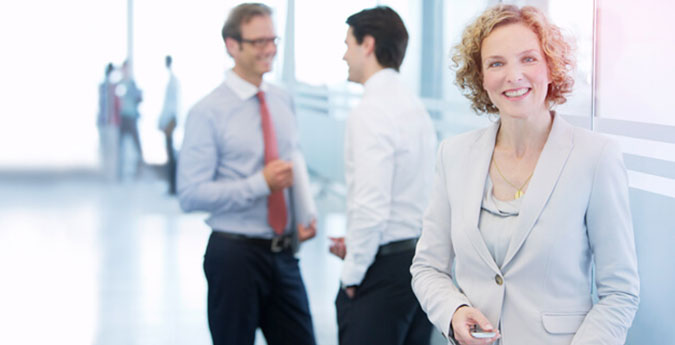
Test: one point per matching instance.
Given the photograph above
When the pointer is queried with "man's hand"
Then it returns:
(350, 291)
(278, 174)
(464, 319)
(305, 233)
(168, 129)
(338, 247)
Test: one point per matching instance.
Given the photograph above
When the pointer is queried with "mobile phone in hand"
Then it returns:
(480, 334)
(483, 335)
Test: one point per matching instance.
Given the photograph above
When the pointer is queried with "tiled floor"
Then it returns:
(88, 262)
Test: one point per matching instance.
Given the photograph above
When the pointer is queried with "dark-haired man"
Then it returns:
(235, 165)
(389, 157)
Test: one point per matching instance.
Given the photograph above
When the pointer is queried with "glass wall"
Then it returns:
(51, 65)
(190, 32)
(318, 53)
(634, 75)
(53, 62)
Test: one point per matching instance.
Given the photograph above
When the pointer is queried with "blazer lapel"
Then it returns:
(476, 167)
(546, 174)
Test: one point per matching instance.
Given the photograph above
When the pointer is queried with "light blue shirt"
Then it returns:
(221, 160)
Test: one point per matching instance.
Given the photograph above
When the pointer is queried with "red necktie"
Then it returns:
(276, 205)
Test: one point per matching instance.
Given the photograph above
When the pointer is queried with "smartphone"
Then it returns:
(483, 335)
(480, 334)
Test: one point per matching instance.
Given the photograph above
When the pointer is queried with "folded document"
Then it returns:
(303, 202)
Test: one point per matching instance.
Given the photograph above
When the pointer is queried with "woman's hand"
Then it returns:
(464, 320)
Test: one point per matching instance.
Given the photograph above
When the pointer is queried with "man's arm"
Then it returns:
(371, 141)
(198, 190)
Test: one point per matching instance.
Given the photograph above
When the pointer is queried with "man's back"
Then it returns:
(404, 134)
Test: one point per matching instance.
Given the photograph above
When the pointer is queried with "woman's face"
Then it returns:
(515, 73)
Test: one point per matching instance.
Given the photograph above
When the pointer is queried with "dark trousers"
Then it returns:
(384, 309)
(251, 287)
(170, 163)
(129, 126)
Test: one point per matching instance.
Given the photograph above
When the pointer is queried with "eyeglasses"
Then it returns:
(261, 42)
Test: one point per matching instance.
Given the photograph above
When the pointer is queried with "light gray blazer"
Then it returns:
(575, 213)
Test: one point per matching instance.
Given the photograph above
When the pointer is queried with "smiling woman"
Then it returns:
(515, 73)
(524, 181)
(469, 64)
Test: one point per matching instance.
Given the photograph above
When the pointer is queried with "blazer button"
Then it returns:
(499, 280)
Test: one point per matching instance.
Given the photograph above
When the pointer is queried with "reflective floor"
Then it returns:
(83, 261)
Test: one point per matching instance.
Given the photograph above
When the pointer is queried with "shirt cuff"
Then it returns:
(351, 273)
(258, 184)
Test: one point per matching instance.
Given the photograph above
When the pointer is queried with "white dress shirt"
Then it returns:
(390, 146)
(170, 107)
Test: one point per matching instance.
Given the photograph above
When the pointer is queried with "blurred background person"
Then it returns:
(528, 208)
(167, 123)
(108, 123)
(130, 97)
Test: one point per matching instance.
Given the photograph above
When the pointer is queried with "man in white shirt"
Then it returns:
(167, 123)
(390, 145)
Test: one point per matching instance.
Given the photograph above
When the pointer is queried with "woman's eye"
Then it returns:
(529, 59)
(495, 64)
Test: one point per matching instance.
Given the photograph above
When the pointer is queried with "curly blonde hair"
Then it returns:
(467, 55)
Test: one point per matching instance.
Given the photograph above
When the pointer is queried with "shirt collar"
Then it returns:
(382, 76)
(242, 88)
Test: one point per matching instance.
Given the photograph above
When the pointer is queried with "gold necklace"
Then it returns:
(519, 191)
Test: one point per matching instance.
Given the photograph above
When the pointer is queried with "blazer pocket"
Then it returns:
(562, 323)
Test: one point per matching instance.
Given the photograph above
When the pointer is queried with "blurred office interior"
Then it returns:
(84, 260)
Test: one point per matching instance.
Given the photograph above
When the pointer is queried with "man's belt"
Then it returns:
(275, 245)
(397, 247)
